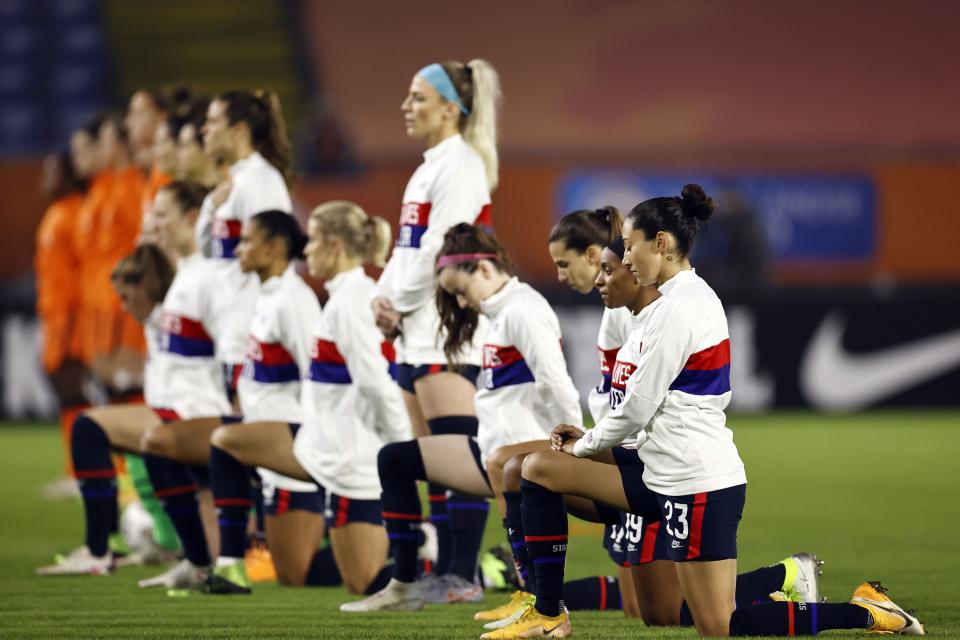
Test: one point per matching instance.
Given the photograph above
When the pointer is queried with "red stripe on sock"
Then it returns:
(232, 502)
(342, 512)
(603, 593)
(791, 630)
(440, 497)
(545, 538)
(96, 473)
(696, 525)
(283, 501)
(649, 542)
(415, 517)
(176, 491)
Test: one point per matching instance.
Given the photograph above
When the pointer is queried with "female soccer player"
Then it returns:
(524, 386)
(452, 108)
(350, 407)
(244, 131)
(58, 293)
(688, 474)
(268, 389)
(142, 280)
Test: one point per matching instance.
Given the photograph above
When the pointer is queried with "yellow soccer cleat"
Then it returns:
(517, 600)
(888, 617)
(533, 624)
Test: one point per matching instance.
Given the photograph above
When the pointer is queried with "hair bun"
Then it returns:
(696, 203)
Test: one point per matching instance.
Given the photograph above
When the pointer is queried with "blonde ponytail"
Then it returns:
(363, 235)
(380, 235)
(478, 86)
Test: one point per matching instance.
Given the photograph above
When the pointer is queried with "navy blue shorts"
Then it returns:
(342, 511)
(407, 374)
(643, 502)
(279, 501)
(634, 541)
(703, 526)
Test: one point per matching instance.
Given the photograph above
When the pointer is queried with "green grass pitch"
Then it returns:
(875, 495)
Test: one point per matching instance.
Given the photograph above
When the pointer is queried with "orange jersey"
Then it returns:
(84, 242)
(56, 261)
(58, 292)
(155, 181)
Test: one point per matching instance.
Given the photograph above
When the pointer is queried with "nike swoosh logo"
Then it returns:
(833, 378)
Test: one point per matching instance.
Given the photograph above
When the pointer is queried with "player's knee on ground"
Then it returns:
(538, 467)
(513, 473)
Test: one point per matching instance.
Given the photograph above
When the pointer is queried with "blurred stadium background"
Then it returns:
(829, 132)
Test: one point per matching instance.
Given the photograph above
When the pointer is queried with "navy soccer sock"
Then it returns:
(513, 522)
(177, 491)
(401, 465)
(453, 554)
(596, 593)
(753, 587)
(797, 618)
(440, 519)
(323, 570)
(468, 519)
(97, 478)
(230, 481)
(545, 531)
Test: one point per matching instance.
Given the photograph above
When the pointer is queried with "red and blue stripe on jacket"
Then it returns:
(706, 372)
(328, 366)
(415, 218)
(185, 336)
(269, 363)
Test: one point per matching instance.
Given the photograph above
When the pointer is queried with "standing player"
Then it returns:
(452, 108)
(524, 387)
(58, 293)
(350, 407)
(689, 473)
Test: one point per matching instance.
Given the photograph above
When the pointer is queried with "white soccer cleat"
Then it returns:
(803, 575)
(80, 562)
(449, 589)
(396, 596)
(183, 575)
(149, 553)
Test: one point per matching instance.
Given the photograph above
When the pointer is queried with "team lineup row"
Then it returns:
(447, 370)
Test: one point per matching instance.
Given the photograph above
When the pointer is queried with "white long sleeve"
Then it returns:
(453, 201)
(675, 399)
(361, 345)
(666, 348)
(536, 339)
(450, 187)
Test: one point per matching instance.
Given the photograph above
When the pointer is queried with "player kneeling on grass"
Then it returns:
(524, 387)
(142, 280)
(693, 480)
(648, 586)
(350, 406)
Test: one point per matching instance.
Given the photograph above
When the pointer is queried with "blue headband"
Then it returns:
(436, 76)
